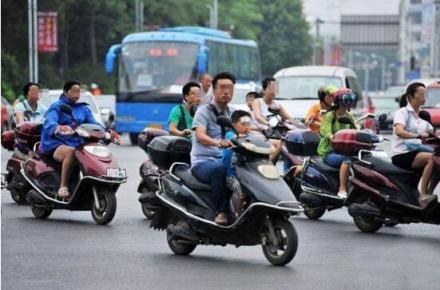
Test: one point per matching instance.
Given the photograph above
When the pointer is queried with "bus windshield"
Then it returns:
(153, 66)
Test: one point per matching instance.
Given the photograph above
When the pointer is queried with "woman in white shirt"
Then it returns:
(260, 108)
(410, 128)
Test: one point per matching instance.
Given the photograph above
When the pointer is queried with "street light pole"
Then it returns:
(366, 68)
(318, 21)
(32, 32)
(382, 83)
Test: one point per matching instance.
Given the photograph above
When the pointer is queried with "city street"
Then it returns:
(69, 251)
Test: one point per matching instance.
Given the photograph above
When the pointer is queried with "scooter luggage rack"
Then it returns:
(278, 206)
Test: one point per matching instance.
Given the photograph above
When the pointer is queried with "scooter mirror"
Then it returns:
(27, 115)
(224, 122)
(344, 120)
(382, 118)
(274, 111)
(273, 121)
(66, 109)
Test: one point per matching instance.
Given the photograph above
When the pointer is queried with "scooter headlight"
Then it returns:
(269, 171)
(100, 151)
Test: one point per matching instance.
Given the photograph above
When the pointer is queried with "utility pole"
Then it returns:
(318, 21)
(33, 49)
(139, 15)
(213, 14)
(382, 82)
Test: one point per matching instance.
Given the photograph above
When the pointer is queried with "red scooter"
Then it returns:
(21, 141)
(95, 178)
(385, 194)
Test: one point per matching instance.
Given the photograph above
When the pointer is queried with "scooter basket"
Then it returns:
(165, 150)
(350, 141)
(302, 142)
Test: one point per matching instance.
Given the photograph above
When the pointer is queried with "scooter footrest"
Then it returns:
(367, 209)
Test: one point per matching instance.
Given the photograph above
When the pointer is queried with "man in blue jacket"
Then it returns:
(56, 139)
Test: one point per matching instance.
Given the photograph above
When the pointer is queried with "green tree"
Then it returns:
(284, 39)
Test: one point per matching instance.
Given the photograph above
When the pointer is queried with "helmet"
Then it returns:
(327, 90)
(344, 96)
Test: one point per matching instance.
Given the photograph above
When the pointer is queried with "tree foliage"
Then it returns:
(88, 28)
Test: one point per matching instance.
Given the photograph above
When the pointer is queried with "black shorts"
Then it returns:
(405, 160)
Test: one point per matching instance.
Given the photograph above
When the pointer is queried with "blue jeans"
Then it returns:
(335, 160)
(213, 172)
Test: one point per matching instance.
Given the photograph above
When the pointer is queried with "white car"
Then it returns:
(298, 86)
(48, 97)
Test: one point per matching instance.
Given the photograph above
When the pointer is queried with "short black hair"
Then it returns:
(221, 76)
(253, 94)
(27, 86)
(237, 114)
(187, 88)
(266, 81)
(69, 84)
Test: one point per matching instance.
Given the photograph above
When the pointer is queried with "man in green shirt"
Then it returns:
(180, 120)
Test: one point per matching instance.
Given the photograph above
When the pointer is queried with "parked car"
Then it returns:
(50, 96)
(298, 86)
(240, 92)
(6, 115)
(432, 104)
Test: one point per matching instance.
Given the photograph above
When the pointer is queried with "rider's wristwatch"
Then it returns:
(419, 137)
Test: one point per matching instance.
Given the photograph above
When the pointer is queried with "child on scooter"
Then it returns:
(241, 121)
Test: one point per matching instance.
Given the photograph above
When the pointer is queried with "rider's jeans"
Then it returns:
(335, 160)
(213, 172)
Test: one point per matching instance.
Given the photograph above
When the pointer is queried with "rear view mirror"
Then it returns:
(224, 122)
(66, 109)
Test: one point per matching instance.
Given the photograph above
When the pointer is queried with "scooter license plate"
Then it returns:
(116, 172)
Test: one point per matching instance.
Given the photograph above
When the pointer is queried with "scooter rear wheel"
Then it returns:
(285, 250)
(41, 212)
(367, 224)
(107, 210)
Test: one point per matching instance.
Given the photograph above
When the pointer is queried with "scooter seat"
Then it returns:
(184, 173)
(324, 166)
(49, 160)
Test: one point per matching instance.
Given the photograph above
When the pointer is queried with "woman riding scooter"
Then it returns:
(57, 140)
(344, 99)
(410, 129)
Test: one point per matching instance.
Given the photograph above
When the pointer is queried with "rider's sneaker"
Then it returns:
(342, 194)
(182, 231)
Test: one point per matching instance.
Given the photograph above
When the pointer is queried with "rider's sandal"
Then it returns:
(63, 192)
(426, 200)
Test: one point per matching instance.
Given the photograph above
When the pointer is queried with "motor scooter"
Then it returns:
(95, 177)
(149, 173)
(187, 209)
(386, 194)
(316, 184)
(21, 141)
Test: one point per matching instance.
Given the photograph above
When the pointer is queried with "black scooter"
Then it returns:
(186, 202)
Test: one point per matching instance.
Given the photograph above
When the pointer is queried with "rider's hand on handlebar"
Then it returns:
(115, 137)
(186, 132)
(225, 144)
(64, 130)
(423, 136)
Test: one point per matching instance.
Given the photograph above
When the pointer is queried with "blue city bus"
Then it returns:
(152, 67)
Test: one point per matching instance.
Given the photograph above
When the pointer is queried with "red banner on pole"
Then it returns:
(47, 31)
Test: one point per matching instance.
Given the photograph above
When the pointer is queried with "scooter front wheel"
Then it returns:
(287, 243)
(180, 247)
(314, 213)
(107, 207)
(41, 212)
(147, 211)
(367, 224)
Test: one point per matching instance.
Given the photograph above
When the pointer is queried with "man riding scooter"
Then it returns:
(57, 140)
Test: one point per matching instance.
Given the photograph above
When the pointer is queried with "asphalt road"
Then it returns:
(69, 251)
